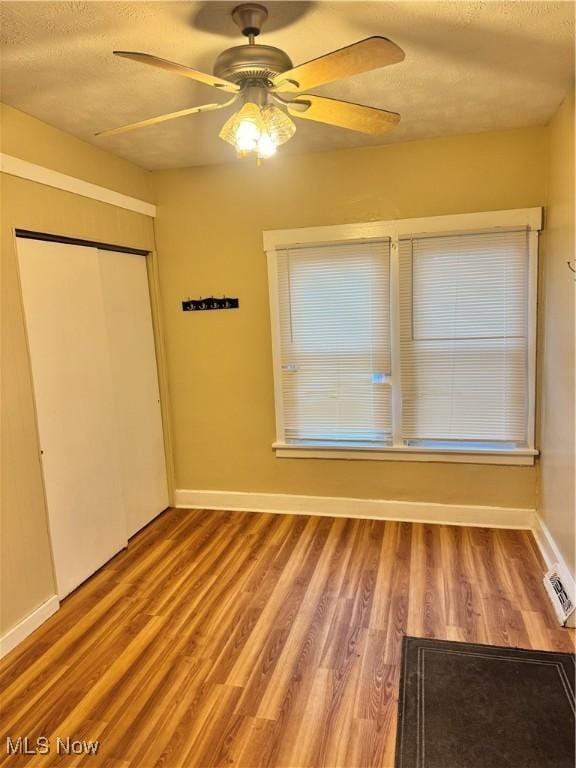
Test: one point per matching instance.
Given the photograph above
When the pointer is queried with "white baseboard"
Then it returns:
(374, 509)
(546, 544)
(25, 627)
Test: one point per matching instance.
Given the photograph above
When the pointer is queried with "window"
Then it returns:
(335, 343)
(412, 339)
(464, 337)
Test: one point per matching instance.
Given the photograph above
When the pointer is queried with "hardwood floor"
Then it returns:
(239, 639)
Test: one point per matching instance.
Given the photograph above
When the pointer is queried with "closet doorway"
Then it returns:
(95, 379)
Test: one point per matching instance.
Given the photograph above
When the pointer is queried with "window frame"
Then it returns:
(394, 230)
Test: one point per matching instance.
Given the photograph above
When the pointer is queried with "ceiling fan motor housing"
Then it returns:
(251, 62)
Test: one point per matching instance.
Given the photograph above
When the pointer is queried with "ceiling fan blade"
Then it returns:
(163, 118)
(371, 53)
(344, 114)
(179, 69)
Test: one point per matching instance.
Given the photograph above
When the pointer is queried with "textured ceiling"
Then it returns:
(470, 66)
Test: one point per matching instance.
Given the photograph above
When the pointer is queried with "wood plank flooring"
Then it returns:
(239, 639)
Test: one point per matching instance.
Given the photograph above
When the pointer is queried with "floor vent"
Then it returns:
(560, 588)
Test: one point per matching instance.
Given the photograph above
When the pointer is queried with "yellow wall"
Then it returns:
(209, 236)
(210, 242)
(557, 500)
(26, 565)
(30, 139)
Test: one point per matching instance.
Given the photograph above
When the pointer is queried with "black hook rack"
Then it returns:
(210, 302)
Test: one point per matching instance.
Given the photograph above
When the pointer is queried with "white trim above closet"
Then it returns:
(14, 166)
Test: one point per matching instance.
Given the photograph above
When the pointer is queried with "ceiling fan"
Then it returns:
(261, 77)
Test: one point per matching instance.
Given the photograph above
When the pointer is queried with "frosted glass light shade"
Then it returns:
(278, 124)
(257, 130)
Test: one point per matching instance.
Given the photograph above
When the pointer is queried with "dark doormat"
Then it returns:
(480, 706)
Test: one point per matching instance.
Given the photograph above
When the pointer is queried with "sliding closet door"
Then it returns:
(134, 373)
(71, 371)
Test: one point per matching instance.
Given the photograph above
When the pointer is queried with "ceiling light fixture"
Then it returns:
(257, 130)
(260, 76)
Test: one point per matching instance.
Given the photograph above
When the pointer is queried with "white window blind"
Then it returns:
(464, 337)
(335, 342)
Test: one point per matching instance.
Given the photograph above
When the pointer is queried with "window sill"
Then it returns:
(519, 456)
